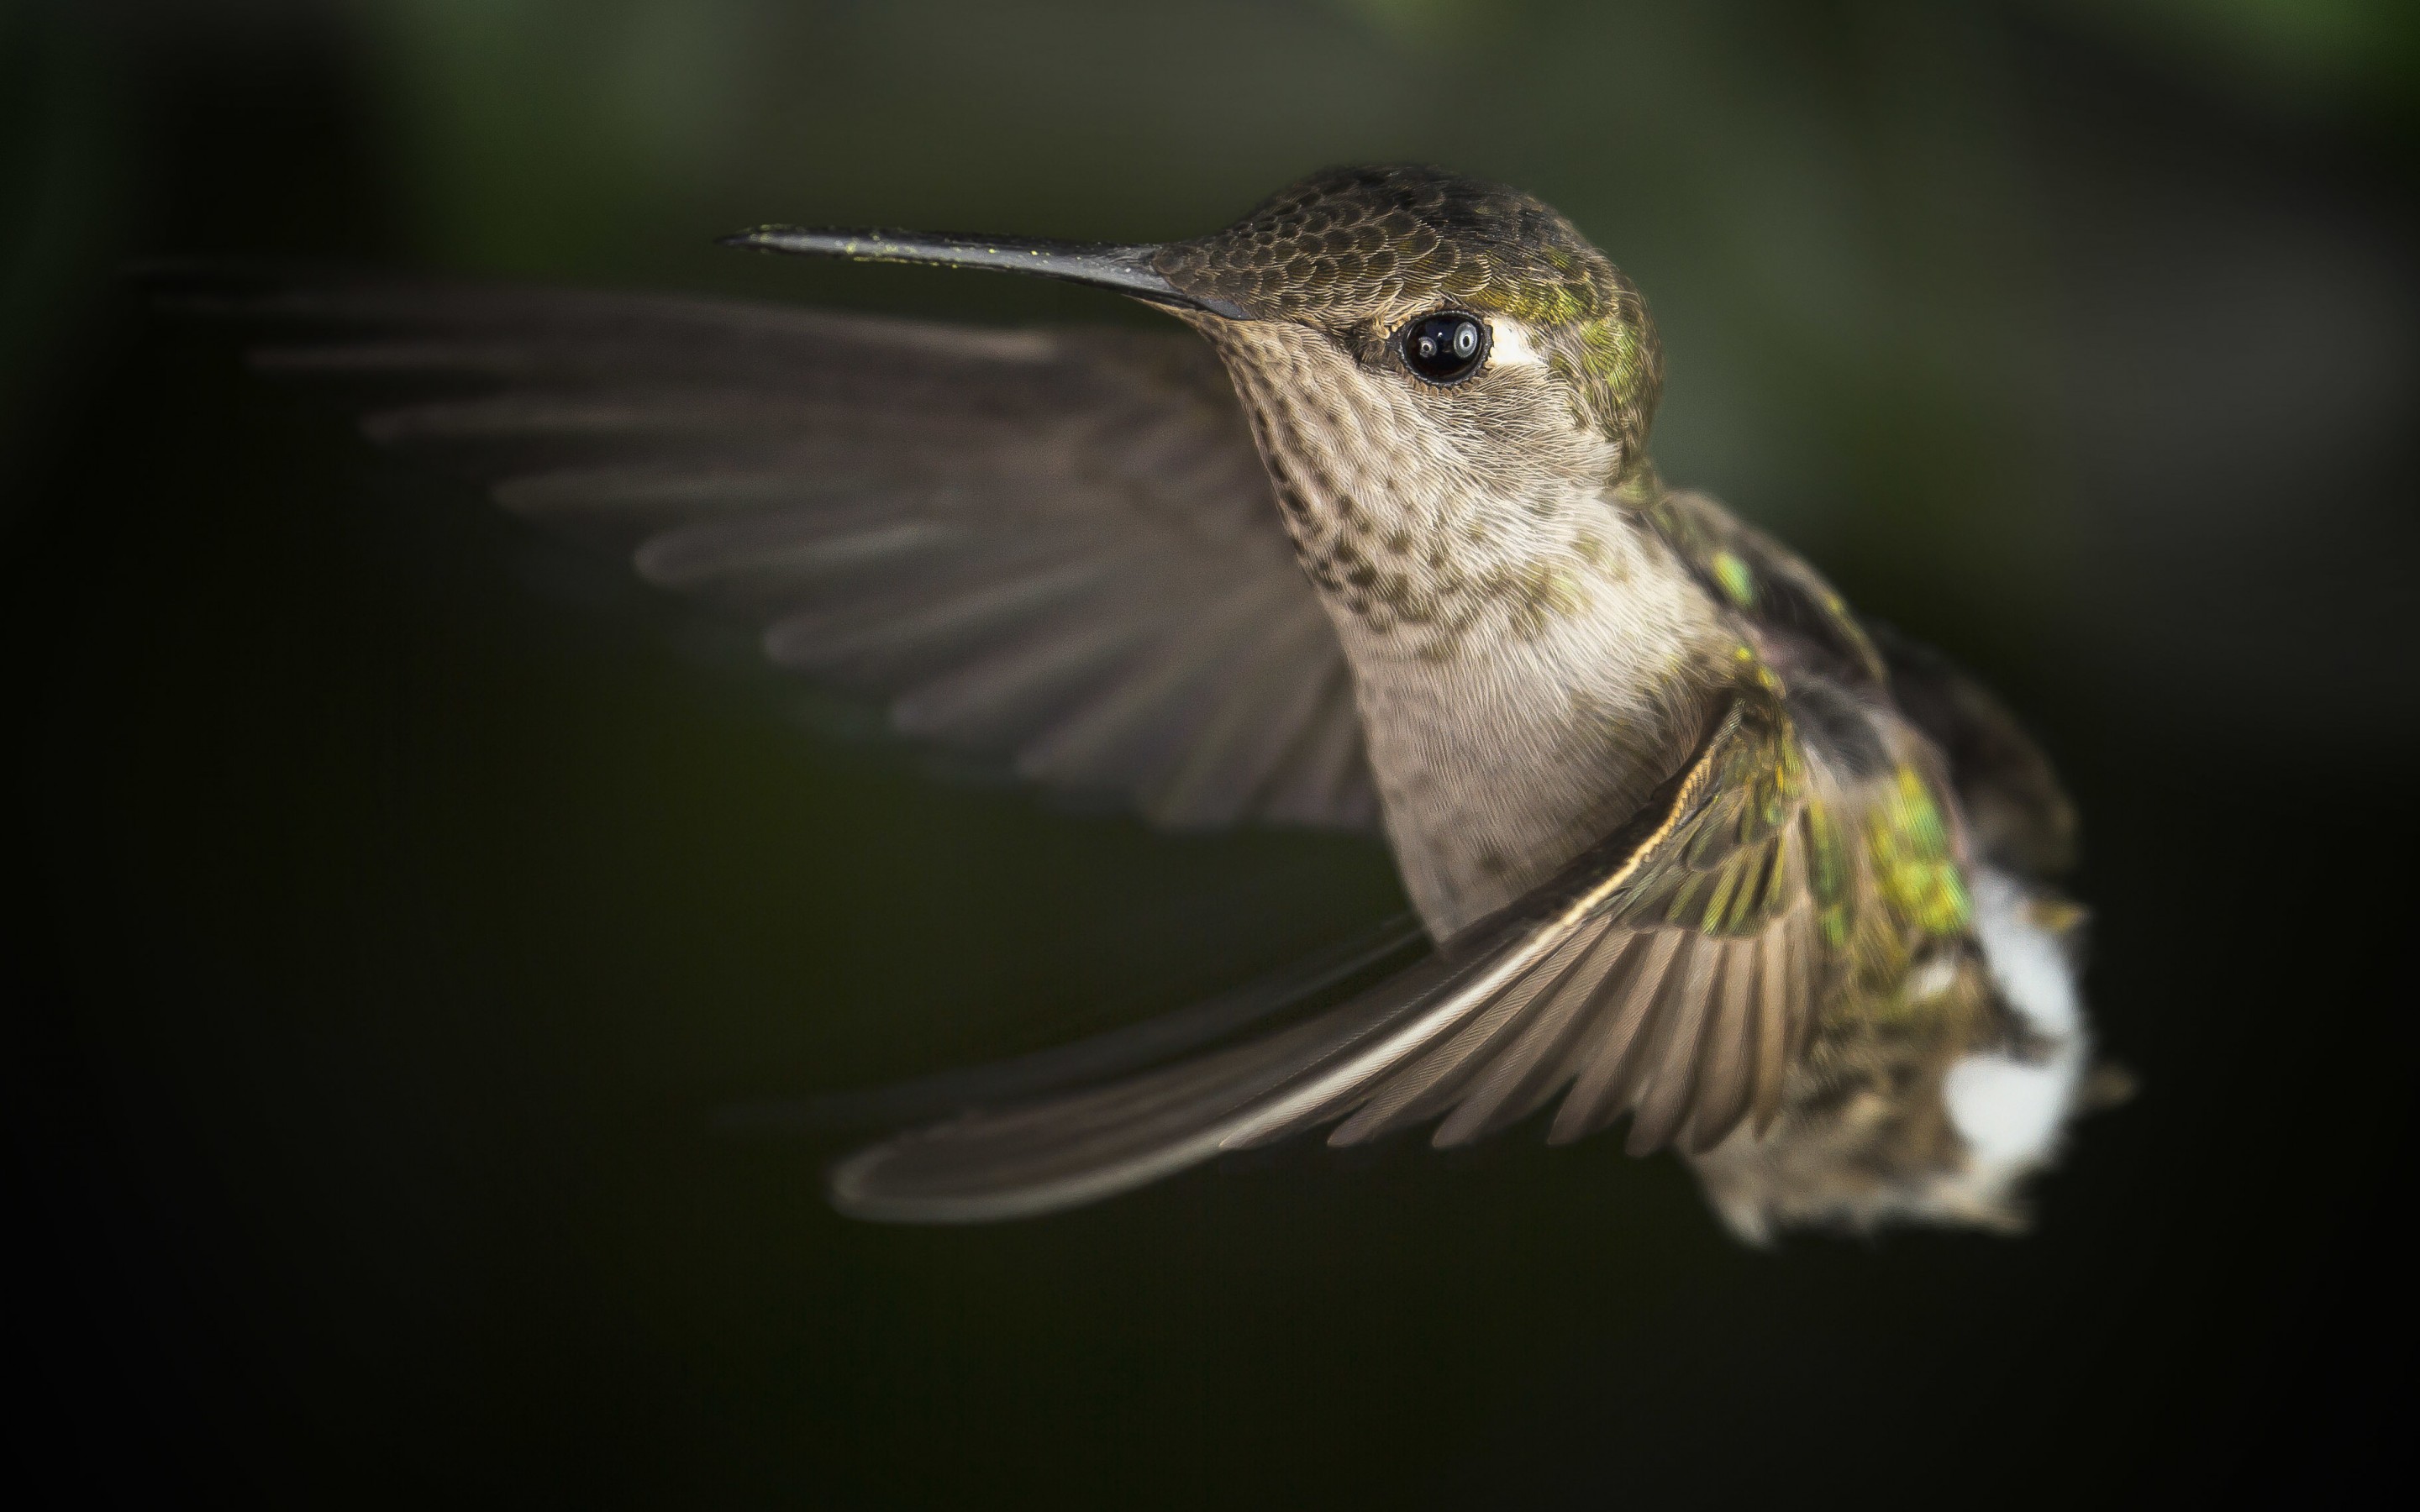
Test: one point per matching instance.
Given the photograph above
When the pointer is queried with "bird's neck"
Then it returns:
(1571, 687)
(1522, 694)
(1529, 657)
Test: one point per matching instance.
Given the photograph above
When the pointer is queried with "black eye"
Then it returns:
(1445, 349)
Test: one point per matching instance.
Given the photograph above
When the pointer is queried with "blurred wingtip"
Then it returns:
(854, 1187)
(880, 1184)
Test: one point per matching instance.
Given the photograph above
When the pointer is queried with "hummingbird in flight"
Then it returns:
(1377, 546)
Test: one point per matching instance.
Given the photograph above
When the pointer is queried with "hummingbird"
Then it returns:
(1378, 546)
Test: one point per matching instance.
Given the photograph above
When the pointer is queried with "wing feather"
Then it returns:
(1725, 1086)
(1495, 1096)
(1599, 1095)
(1667, 1067)
(1773, 1023)
(1671, 974)
(922, 512)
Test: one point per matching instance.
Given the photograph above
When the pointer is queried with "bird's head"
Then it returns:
(1477, 303)
(1437, 369)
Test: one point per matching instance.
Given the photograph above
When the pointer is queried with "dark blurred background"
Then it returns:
(402, 892)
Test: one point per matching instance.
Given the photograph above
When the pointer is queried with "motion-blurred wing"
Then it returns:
(1057, 547)
(1671, 974)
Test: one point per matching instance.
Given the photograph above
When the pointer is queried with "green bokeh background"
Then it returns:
(404, 892)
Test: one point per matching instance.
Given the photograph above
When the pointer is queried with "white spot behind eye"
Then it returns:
(1507, 345)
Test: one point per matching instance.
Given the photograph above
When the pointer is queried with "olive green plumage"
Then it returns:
(1697, 846)
(1815, 967)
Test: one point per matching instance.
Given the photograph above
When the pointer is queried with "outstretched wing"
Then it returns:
(1673, 974)
(1057, 547)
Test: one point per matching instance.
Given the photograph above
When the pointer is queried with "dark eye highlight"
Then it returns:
(1445, 347)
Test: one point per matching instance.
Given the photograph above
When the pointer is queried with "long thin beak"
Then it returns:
(1127, 270)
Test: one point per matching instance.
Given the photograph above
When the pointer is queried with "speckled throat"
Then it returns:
(1530, 659)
